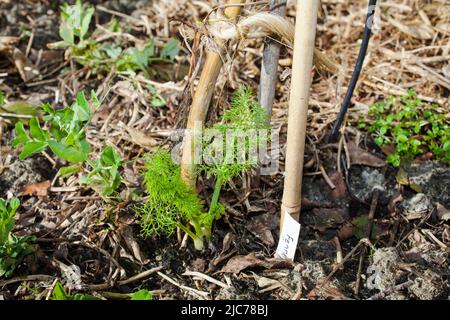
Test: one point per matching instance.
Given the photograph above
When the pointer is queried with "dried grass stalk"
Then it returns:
(263, 24)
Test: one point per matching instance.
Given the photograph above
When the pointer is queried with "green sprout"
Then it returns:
(65, 136)
(102, 57)
(411, 126)
(12, 249)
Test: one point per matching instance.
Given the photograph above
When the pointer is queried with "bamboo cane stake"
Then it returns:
(201, 101)
(305, 32)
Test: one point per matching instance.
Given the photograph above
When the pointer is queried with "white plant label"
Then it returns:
(290, 231)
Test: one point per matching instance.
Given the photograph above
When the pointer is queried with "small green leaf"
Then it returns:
(59, 293)
(170, 49)
(14, 204)
(113, 51)
(21, 135)
(83, 296)
(85, 21)
(67, 153)
(94, 100)
(31, 148)
(110, 157)
(67, 34)
(36, 131)
(81, 108)
(69, 170)
(142, 295)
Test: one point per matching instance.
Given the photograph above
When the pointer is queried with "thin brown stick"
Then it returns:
(373, 207)
(390, 290)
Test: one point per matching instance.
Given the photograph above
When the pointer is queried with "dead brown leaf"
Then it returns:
(325, 218)
(341, 190)
(259, 226)
(415, 29)
(442, 212)
(361, 157)
(39, 189)
(140, 138)
(239, 263)
(126, 233)
(23, 65)
(198, 265)
(346, 232)
(326, 292)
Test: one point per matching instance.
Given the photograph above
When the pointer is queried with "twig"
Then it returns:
(141, 275)
(135, 278)
(201, 294)
(348, 256)
(50, 289)
(206, 277)
(33, 277)
(327, 178)
(390, 290)
(119, 14)
(338, 250)
(127, 296)
(373, 207)
(13, 115)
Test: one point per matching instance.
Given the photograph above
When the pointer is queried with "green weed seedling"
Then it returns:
(59, 293)
(99, 56)
(12, 249)
(104, 175)
(65, 136)
(411, 127)
(171, 203)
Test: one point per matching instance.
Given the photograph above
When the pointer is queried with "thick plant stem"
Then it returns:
(305, 32)
(201, 101)
(198, 241)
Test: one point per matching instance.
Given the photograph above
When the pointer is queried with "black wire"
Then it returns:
(359, 63)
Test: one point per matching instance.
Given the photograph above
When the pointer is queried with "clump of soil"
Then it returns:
(18, 174)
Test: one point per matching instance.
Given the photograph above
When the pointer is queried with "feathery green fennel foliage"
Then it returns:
(243, 129)
(172, 203)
